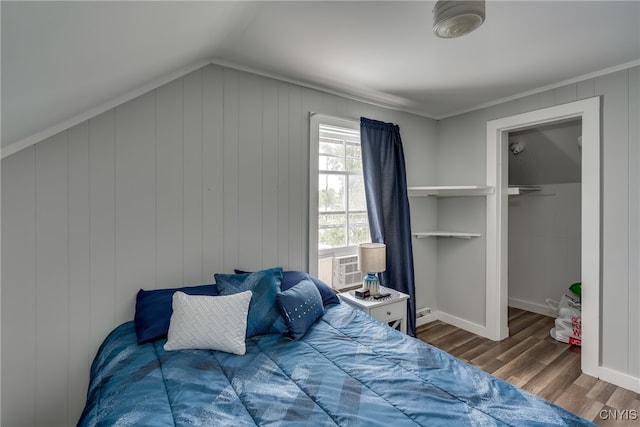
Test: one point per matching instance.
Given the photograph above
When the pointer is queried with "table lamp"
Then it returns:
(372, 259)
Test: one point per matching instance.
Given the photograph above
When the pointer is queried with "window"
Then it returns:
(338, 220)
(342, 208)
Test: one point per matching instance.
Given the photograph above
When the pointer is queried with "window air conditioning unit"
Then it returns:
(346, 273)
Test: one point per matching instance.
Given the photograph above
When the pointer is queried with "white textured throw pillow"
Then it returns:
(210, 323)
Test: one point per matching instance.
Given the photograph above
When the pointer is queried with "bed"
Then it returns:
(347, 369)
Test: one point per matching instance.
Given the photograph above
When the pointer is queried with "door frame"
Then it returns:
(497, 220)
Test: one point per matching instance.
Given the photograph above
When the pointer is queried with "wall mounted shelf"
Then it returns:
(449, 190)
(523, 189)
(450, 234)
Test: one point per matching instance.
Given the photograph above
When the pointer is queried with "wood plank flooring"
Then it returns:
(534, 361)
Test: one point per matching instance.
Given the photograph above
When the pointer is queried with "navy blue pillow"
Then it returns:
(154, 310)
(264, 316)
(301, 306)
(290, 278)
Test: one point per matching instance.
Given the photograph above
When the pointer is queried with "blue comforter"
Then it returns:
(348, 370)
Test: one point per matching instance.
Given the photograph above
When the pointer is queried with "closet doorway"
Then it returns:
(544, 214)
(588, 112)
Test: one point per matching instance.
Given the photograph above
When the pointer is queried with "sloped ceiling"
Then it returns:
(551, 155)
(60, 59)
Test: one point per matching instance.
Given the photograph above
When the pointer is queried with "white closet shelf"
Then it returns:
(452, 234)
(522, 189)
(449, 190)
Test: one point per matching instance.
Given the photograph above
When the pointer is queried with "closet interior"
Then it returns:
(544, 214)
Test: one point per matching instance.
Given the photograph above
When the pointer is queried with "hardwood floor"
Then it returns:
(534, 361)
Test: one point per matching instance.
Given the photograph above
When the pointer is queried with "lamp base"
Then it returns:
(371, 283)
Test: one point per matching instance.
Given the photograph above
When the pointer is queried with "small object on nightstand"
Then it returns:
(362, 293)
(380, 296)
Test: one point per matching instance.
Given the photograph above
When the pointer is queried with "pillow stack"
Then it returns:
(239, 306)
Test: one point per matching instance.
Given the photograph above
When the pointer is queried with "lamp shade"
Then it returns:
(372, 257)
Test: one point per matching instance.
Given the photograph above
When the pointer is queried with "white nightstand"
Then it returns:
(392, 309)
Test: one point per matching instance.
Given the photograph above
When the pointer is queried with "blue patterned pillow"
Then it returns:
(301, 306)
(264, 316)
(290, 278)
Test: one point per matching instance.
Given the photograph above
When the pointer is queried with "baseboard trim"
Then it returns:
(454, 321)
(545, 310)
(617, 378)
(427, 318)
(472, 327)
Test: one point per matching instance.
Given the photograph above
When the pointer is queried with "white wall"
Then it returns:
(202, 175)
(461, 142)
(544, 245)
(420, 154)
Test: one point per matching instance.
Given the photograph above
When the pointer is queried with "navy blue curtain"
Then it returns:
(385, 185)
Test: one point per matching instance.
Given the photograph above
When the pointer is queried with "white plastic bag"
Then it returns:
(568, 306)
(564, 337)
(568, 324)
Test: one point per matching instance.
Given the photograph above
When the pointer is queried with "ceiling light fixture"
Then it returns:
(516, 147)
(455, 18)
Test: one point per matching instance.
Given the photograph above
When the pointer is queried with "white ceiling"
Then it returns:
(60, 59)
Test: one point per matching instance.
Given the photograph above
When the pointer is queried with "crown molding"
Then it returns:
(573, 80)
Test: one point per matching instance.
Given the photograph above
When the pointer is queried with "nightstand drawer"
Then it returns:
(390, 312)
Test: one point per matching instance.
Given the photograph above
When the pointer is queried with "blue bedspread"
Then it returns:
(349, 370)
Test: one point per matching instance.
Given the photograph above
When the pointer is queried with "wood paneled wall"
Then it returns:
(202, 175)
(461, 142)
